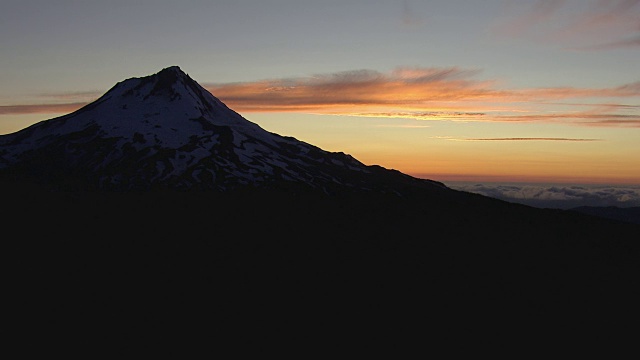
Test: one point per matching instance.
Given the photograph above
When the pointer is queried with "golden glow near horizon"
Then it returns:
(444, 151)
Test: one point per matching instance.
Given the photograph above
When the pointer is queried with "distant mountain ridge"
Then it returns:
(166, 131)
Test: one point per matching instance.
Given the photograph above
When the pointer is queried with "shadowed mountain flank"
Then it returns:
(629, 214)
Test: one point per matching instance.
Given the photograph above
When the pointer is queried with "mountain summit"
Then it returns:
(166, 131)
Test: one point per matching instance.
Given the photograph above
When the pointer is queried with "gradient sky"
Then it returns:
(492, 90)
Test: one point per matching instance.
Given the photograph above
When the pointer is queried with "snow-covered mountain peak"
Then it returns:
(165, 130)
(169, 84)
(166, 108)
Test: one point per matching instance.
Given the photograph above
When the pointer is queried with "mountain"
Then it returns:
(165, 131)
(157, 221)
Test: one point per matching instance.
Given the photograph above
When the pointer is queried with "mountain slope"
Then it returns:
(630, 214)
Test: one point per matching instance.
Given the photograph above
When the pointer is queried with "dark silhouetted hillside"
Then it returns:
(630, 214)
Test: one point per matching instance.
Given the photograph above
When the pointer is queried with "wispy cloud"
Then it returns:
(617, 44)
(536, 14)
(522, 139)
(584, 25)
(403, 126)
(417, 115)
(585, 118)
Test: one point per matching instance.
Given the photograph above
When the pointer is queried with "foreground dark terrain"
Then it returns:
(156, 221)
(628, 214)
(157, 270)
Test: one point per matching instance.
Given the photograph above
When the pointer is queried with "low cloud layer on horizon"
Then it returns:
(558, 196)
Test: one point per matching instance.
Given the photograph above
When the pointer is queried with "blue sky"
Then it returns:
(495, 90)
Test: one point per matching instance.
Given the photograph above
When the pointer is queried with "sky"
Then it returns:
(492, 91)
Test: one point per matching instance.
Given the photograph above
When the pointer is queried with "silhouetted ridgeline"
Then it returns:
(159, 270)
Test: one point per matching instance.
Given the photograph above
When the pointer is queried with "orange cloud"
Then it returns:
(361, 89)
(450, 94)
(55, 103)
